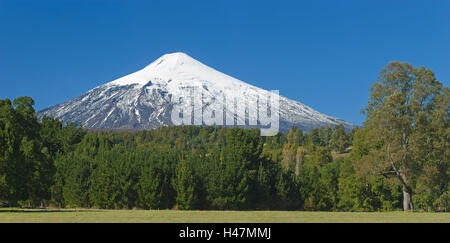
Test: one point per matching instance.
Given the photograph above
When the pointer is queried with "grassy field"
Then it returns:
(9, 215)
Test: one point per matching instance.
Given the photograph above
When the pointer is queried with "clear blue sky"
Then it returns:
(325, 54)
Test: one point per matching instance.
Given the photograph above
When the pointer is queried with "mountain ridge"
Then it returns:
(144, 99)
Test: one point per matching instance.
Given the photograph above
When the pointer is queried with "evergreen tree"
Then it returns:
(339, 139)
(185, 185)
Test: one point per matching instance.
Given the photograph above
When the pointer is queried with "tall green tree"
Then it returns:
(400, 113)
(26, 165)
(339, 139)
(185, 185)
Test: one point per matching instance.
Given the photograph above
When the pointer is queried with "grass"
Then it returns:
(15, 215)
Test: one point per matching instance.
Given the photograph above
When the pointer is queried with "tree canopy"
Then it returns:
(399, 156)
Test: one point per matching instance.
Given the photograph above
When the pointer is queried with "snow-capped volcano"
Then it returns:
(146, 99)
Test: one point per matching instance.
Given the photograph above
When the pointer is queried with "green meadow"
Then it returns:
(15, 215)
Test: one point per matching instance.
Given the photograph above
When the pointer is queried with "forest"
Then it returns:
(397, 160)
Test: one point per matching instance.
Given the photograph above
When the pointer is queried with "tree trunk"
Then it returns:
(298, 161)
(407, 200)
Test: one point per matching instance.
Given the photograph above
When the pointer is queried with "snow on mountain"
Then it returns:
(145, 99)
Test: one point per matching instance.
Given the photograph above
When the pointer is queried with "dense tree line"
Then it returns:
(399, 156)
